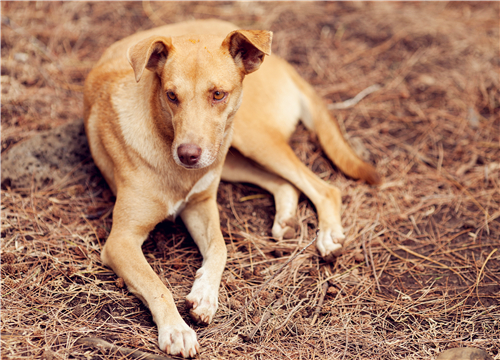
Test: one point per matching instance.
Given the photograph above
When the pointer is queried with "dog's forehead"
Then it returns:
(200, 56)
(199, 47)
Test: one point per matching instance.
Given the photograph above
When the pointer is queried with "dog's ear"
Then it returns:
(150, 53)
(248, 47)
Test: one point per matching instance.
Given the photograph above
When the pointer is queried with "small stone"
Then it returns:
(48, 355)
(234, 303)
(466, 353)
(247, 274)
(8, 258)
(9, 269)
(120, 283)
(70, 270)
(257, 272)
(313, 272)
(358, 256)
(21, 57)
(78, 310)
(302, 296)
(332, 290)
(101, 233)
(278, 253)
(300, 329)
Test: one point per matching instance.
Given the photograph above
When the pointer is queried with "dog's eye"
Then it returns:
(171, 96)
(219, 95)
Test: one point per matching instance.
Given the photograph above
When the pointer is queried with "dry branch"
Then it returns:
(132, 353)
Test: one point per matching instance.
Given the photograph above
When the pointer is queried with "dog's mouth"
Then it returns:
(190, 167)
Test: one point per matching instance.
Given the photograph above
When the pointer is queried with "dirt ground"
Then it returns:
(421, 269)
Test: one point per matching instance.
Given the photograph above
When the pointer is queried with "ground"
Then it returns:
(421, 268)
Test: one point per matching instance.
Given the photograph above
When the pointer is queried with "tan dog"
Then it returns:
(161, 113)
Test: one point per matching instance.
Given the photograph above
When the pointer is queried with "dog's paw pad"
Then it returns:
(178, 339)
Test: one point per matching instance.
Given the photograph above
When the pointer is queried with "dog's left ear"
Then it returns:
(248, 47)
(150, 53)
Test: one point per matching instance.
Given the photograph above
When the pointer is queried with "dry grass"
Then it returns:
(421, 270)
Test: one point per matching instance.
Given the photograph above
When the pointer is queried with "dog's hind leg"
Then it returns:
(280, 158)
(238, 168)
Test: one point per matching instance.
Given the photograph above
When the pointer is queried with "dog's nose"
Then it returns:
(189, 154)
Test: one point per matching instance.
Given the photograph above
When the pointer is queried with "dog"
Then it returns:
(162, 108)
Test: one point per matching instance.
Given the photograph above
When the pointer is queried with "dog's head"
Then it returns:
(201, 85)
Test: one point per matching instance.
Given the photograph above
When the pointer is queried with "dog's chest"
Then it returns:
(174, 209)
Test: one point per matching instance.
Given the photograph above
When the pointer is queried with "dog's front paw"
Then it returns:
(178, 339)
(203, 299)
(285, 229)
(329, 242)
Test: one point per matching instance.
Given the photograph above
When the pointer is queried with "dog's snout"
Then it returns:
(189, 154)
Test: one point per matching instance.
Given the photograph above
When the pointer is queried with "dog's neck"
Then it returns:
(150, 136)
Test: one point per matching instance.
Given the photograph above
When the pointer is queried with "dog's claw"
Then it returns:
(178, 339)
(199, 273)
(191, 304)
(202, 300)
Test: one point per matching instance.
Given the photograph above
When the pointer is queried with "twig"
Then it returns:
(290, 314)
(231, 203)
(364, 251)
(369, 260)
(324, 288)
(346, 343)
(351, 102)
(373, 265)
(264, 318)
(218, 327)
(478, 280)
(97, 343)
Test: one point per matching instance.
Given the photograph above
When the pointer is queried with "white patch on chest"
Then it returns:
(200, 186)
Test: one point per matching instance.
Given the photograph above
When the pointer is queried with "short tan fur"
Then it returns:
(162, 109)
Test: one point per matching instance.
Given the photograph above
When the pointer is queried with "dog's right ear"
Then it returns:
(150, 53)
(248, 47)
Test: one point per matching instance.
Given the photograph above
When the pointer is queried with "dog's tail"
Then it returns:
(330, 136)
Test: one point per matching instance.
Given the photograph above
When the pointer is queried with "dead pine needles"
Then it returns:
(420, 270)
